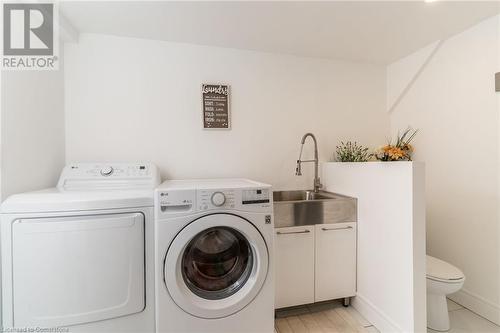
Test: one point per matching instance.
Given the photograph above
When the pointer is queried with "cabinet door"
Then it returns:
(294, 265)
(335, 269)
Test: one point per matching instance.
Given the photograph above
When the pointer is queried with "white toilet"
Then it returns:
(442, 279)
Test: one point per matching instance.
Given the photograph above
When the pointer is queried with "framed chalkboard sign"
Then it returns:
(215, 106)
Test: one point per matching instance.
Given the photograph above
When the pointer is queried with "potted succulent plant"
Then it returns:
(351, 152)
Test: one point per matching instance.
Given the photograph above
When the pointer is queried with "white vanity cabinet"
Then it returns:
(294, 266)
(335, 261)
(314, 263)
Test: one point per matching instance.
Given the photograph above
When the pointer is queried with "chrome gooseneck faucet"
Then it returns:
(298, 170)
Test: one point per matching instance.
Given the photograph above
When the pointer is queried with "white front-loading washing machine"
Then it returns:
(80, 257)
(214, 250)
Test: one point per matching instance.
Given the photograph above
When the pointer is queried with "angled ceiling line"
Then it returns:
(415, 77)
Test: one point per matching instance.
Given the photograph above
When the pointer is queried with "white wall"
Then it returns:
(32, 130)
(454, 105)
(498, 149)
(130, 99)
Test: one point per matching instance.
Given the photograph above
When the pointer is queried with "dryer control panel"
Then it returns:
(81, 176)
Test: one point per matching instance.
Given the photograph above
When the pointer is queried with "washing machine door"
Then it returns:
(216, 265)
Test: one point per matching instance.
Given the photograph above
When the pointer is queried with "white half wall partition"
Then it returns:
(391, 284)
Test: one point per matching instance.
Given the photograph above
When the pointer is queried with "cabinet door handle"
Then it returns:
(292, 232)
(343, 228)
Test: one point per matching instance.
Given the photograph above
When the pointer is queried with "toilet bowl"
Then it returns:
(442, 279)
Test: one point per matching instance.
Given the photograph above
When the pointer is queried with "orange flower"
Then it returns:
(396, 153)
(386, 148)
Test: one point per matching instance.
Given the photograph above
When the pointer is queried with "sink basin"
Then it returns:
(299, 207)
(302, 195)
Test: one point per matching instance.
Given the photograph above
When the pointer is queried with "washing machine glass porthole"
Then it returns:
(217, 263)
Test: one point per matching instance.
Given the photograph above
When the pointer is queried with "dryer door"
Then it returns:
(216, 265)
(74, 270)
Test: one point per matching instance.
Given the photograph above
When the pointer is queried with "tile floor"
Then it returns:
(333, 317)
(327, 317)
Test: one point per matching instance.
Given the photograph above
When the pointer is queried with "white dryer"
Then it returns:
(214, 250)
(81, 255)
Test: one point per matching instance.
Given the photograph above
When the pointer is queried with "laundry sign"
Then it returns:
(215, 106)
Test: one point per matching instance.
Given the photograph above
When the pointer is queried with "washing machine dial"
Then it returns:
(107, 171)
(218, 199)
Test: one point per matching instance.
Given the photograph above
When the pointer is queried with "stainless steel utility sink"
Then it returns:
(296, 208)
(303, 195)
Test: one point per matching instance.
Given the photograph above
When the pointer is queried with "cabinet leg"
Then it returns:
(347, 301)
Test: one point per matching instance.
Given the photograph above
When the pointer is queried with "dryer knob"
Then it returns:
(107, 171)
(218, 199)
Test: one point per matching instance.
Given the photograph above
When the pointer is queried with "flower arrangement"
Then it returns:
(352, 152)
(400, 151)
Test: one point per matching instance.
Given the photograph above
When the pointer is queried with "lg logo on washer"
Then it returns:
(30, 40)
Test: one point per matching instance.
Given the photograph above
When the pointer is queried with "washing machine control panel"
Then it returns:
(244, 199)
(179, 197)
(255, 196)
(213, 199)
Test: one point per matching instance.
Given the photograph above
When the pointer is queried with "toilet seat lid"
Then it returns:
(439, 269)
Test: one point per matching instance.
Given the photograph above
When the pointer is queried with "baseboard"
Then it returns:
(477, 304)
(374, 315)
